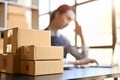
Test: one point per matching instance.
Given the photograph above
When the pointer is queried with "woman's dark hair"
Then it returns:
(62, 9)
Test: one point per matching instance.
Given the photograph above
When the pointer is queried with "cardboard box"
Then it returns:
(16, 17)
(36, 52)
(1, 45)
(15, 20)
(35, 20)
(10, 63)
(16, 10)
(41, 67)
(16, 37)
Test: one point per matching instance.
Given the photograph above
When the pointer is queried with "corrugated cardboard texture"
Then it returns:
(16, 37)
(41, 67)
(10, 63)
(35, 52)
(1, 46)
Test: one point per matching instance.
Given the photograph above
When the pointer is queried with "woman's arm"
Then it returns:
(78, 30)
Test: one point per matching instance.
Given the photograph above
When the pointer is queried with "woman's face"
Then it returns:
(64, 19)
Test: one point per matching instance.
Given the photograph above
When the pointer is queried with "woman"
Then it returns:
(59, 19)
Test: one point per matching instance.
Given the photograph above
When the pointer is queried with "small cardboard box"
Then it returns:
(10, 63)
(41, 67)
(36, 52)
(16, 20)
(16, 17)
(17, 37)
(16, 10)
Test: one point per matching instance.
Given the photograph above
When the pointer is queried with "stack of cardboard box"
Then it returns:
(30, 52)
(40, 60)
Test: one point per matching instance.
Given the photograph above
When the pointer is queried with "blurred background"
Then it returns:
(99, 19)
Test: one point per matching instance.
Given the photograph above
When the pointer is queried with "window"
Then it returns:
(117, 7)
(56, 3)
(95, 17)
(96, 21)
(117, 11)
(82, 1)
(44, 6)
(44, 21)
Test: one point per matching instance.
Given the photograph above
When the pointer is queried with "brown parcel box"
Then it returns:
(16, 17)
(16, 37)
(10, 63)
(36, 52)
(41, 67)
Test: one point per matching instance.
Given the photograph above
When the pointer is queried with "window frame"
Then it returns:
(113, 24)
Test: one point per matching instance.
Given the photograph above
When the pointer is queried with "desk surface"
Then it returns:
(72, 74)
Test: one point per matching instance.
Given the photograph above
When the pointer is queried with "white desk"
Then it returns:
(72, 74)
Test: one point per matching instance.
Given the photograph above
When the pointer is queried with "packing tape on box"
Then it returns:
(9, 48)
(10, 33)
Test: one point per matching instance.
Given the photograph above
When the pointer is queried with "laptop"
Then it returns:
(114, 58)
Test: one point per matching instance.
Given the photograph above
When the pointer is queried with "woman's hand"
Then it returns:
(78, 29)
(83, 61)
